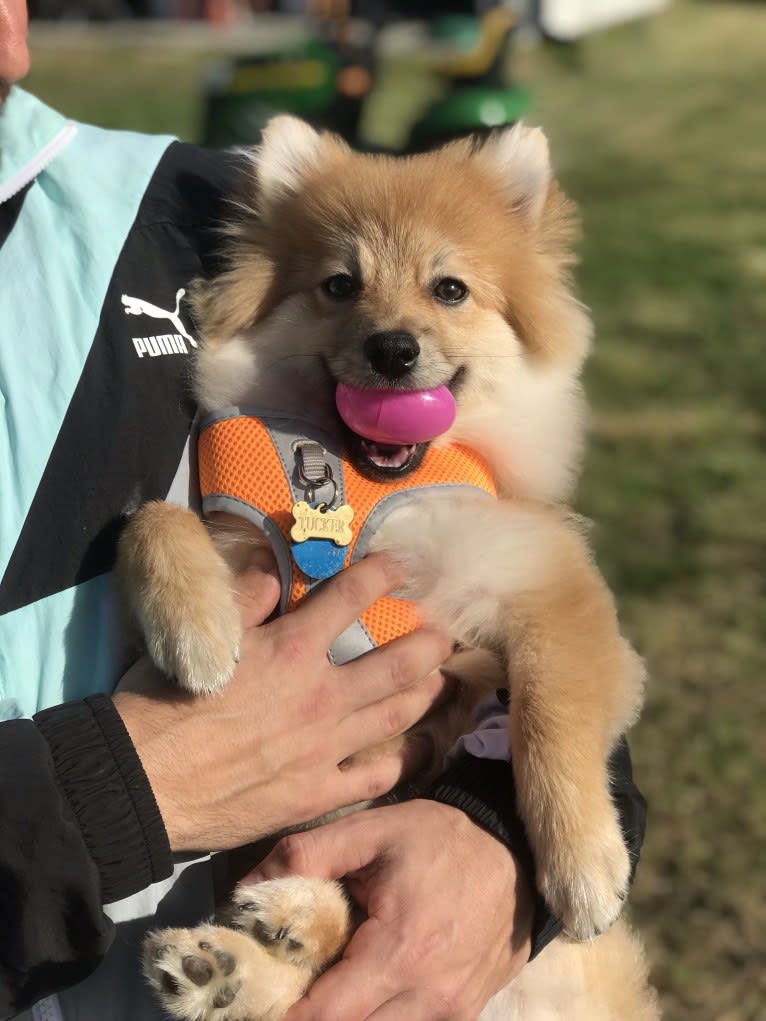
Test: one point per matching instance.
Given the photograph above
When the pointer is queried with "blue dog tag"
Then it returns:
(321, 535)
(318, 558)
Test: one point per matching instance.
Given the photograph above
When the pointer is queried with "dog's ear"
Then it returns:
(241, 293)
(521, 156)
(540, 303)
(290, 149)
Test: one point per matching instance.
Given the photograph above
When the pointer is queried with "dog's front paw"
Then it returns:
(198, 643)
(584, 879)
(408, 536)
(178, 589)
(443, 542)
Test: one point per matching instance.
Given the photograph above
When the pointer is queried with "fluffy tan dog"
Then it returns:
(461, 256)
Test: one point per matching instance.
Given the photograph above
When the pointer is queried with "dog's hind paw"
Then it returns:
(586, 885)
(278, 937)
(213, 973)
(300, 920)
(194, 973)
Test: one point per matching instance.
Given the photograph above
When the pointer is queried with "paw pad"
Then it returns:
(223, 958)
(194, 977)
(197, 969)
(225, 995)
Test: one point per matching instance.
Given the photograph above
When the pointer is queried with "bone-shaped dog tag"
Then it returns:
(322, 522)
(320, 536)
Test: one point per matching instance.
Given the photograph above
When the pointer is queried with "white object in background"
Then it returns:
(567, 19)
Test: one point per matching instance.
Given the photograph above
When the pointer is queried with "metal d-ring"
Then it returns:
(311, 488)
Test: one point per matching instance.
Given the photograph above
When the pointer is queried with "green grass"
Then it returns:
(658, 131)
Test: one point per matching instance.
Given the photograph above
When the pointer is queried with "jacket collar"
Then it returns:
(31, 136)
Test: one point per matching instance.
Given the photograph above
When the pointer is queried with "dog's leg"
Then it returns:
(179, 590)
(606, 980)
(278, 937)
(519, 579)
(574, 689)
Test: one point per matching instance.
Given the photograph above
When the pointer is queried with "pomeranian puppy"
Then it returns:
(383, 279)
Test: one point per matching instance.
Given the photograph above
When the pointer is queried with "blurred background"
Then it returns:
(657, 120)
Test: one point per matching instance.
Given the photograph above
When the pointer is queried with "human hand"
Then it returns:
(264, 754)
(449, 913)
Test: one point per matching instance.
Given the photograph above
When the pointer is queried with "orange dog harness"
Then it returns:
(251, 464)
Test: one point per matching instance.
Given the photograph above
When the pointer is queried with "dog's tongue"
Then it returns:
(396, 417)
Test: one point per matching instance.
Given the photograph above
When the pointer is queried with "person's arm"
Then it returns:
(80, 823)
(80, 828)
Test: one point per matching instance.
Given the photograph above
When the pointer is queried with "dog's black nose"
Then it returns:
(391, 354)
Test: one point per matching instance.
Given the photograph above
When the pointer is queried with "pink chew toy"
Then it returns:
(397, 417)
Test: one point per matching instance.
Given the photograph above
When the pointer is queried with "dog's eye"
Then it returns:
(450, 290)
(340, 287)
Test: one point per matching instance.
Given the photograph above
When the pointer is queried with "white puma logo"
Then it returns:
(143, 345)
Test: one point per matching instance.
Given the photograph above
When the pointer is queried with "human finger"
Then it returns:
(391, 668)
(336, 604)
(366, 781)
(390, 717)
(330, 851)
(359, 988)
(257, 588)
(352, 990)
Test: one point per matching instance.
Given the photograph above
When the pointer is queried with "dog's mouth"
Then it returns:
(384, 459)
(387, 456)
